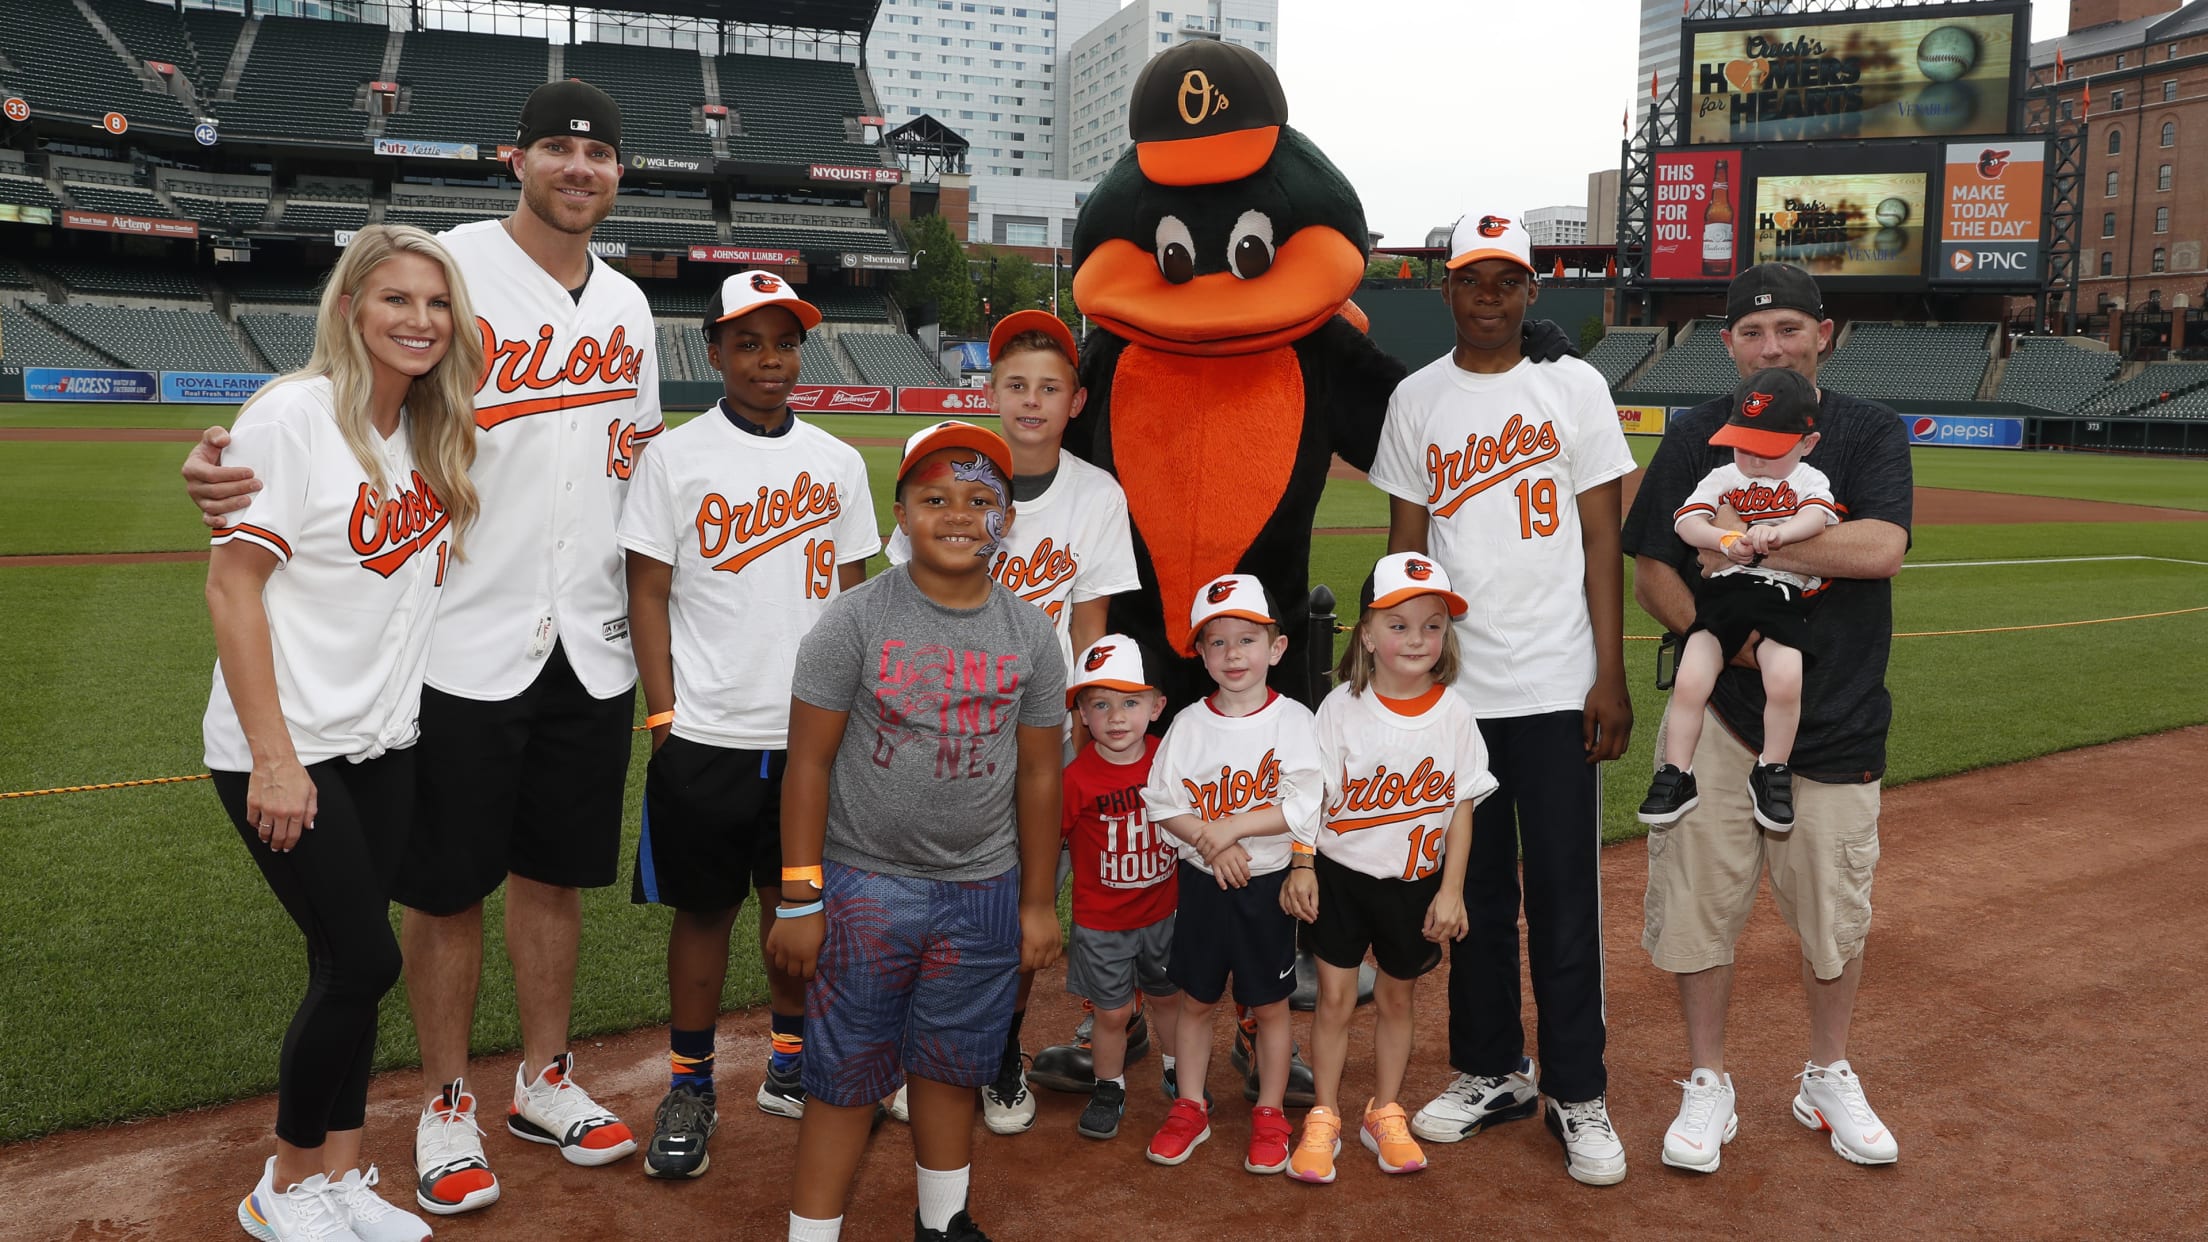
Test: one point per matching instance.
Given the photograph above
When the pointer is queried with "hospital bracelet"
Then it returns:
(798, 912)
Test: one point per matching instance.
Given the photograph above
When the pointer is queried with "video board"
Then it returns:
(1860, 219)
(1993, 211)
(1935, 73)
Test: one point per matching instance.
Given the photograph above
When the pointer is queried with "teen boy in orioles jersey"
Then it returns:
(530, 695)
(740, 528)
(1507, 474)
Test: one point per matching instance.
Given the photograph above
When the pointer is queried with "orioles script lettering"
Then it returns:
(1485, 461)
(1235, 791)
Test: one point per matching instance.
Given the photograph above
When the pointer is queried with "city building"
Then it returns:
(1660, 54)
(987, 69)
(1101, 68)
(1556, 226)
(1602, 206)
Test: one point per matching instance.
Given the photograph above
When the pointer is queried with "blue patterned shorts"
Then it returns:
(915, 977)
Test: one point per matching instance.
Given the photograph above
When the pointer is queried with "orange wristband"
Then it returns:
(810, 875)
(1298, 847)
(1728, 539)
(657, 719)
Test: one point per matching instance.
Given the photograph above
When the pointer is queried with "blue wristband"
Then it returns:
(798, 912)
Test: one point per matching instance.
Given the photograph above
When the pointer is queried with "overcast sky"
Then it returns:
(1438, 107)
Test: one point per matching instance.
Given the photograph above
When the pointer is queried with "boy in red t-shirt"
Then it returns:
(1124, 892)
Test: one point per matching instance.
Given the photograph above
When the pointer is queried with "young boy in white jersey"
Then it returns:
(1237, 773)
(1072, 551)
(1783, 501)
(737, 536)
(1506, 473)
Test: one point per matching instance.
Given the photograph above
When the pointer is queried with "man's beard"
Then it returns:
(544, 202)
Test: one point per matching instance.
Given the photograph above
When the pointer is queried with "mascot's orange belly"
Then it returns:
(1204, 448)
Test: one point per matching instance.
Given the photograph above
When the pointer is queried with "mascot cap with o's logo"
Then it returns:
(1489, 235)
(1205, 113)
(1772, 410)
(1113, 662)
(746, 292)
(1234, 595)
(953, 434)
(1405, 576)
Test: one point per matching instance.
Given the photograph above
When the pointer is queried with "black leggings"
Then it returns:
(335, 884)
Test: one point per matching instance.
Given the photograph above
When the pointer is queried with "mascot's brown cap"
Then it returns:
(1205, 112)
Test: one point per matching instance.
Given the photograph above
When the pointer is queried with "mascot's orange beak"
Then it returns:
(1120, 287)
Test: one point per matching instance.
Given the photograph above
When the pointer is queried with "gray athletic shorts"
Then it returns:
(1105, 967)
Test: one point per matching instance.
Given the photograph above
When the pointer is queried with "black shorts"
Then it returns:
(1241, 932)
(1736, 605)
(1359, 912)
(531, 785)
(712, 826)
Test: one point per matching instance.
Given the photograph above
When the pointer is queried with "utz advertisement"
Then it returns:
(1843, 224)
(1922, 76)
(210, 387)
(71, 384)
(1992, 203)
(1697, 212)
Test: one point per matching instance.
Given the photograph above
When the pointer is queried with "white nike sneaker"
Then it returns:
(1706, 1122)
(554, 1111)
(1831, 1098)
(306, 1212)
(1592, 1153)
(372, 1218)
(450, 1173)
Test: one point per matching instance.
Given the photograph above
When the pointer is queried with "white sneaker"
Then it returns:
(1592, 1152)
(1831, 1098)
(899, 1110)
(554, 1111)
(307, 1212)
(1007, 1106)
(450, 1173)
(1469, 1105)
(373, 1219)
(1706, 1122)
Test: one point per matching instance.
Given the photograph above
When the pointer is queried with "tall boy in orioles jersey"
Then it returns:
(740, 528)
(1507, 474)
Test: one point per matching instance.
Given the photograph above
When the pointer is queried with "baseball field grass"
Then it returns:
(149, 970)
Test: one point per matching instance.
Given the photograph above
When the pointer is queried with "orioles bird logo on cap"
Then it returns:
(1755, 403)
(1493, 226)
(766, 284)
(1417, 570)
(1096, 658)
(1220, 591)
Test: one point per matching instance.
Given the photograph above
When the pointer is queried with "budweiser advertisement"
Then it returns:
(747, 256)
(108, 222)
(841, 398)
(944, 401)
(1697, 208)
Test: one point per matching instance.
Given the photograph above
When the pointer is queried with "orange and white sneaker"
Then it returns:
(450, 1173)
(554, 1111)
(1313, 1159)
(1387, 1134)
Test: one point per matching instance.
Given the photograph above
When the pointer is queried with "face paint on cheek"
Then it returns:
(982, 470)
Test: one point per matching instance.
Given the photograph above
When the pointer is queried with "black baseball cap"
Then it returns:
(1772, 286)
(1205, 113)
(1772, 410)
(571, 108)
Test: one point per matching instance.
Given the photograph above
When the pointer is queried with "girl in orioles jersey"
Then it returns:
(1404, 767)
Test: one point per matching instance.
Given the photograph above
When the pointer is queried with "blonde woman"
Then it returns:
(322, 598)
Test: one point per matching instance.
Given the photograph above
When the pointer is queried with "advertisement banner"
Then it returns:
(944, 401)
(1843, 224)
(665, 163)
(1845, 77)
(854, 172)
(749, 256)
(74, 384)
(1697, 208)
(108, 222)
(1964, 431)
(841, 398)
(609, 249)
(1991, 211)
(1641, 420)
(422, 149)
(210, 387)
(877, 262)
(15, 213)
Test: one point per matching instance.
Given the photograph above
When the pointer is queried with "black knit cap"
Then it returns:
(569, 109)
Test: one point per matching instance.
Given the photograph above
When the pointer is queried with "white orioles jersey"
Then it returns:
(1212, 766)
(1394, 781)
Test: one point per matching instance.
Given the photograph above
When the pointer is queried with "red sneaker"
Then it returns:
(1269, 1135)
(1186, 1126)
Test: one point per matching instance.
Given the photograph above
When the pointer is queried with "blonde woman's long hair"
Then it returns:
(440, 404)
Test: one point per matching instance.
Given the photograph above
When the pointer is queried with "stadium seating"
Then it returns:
(2052, 373)
(214, 37)
(124, 280)
(217, 214)
(302, 80)
(659, 90)
(285, 340)
(818, 363)
(156, 32)
(682, 352)
(63, 67)
(680, 302)
(28, 342)
(463, 87)
(1621, 350)
(1696, 365)
(314, 216)
(276, 284)
(179, 339)
(24, 190)
(2143, 392)
(656, 234)
(12, 275)
(1910, 361)
(871, 240)
(890, 358)
(793, 111)
(129, 200)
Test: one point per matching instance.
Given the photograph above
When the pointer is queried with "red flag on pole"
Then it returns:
(2059, 69)
(1652, 76)
(1625, 121)
(2087, 110)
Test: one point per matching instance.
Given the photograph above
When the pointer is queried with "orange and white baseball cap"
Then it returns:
(951, 433)
(1232, 595)
(746, 292)
(1405, 576)
(1488, 235)
(1113, 662)
(1033, 321)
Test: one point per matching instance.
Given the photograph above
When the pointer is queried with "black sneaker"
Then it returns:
(963, 1229)
(680, 1128)
(1007, 1106)
(1100, 1120)
(1771, 788)
(782, 1092)
(1671, 795)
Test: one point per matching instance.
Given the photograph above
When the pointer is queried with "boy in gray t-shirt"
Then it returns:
(919, 833)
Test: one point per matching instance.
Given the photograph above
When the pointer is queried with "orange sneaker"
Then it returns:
(1269, 1135)
(1388, 1134)
(1313, 1159)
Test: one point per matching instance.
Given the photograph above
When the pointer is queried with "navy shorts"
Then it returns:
(1388, 916)
(1737, 605)
(916, 977)
(1242, 932)
(712, 826)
